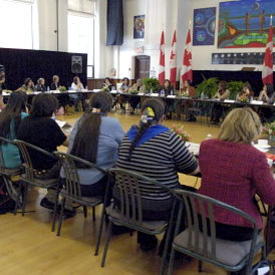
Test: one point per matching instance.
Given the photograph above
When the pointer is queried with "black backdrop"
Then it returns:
(254, 78)
(20, 64)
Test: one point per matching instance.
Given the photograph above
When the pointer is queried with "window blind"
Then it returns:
(86, 6)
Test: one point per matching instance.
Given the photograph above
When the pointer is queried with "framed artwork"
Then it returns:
(204, 26)
(139, 26)
(245, 24)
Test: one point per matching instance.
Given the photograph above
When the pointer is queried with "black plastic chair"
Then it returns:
(130, 187)
(199, 240)
(71, 189)
(32, 176)
(15, 192)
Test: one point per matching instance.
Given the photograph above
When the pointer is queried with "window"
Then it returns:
(19, 24)
(81, 36)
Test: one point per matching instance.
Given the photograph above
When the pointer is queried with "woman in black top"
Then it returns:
(55, 85)
(40, 87)
(40, 129)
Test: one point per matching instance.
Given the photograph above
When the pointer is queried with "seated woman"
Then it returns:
(108, 85)
(267, 95)
(40, 129)
(134, 101)
(230, 175)
(40, 87)
(10, 120)
(155, 151)
(218, 110)
(121, 100)
(55, 84)
(246, 94)
(28, 86)
(96, 137)
(76, 99)
(164, 91)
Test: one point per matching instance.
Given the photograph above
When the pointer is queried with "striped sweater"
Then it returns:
(159, 158)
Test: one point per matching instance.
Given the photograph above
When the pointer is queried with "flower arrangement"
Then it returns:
(180, 131)
(244, 99)
(269, 129)
(184, 94)
(62, 89)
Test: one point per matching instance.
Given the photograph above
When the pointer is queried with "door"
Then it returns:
(142, 66)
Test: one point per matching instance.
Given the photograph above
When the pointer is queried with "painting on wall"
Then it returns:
(245, 23)
(204, 26)
(139, 26)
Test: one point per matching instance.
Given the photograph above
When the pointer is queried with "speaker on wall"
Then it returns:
(76, 64)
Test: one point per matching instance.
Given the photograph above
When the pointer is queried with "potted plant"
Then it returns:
(235, 87)
(269, 130)
(151, 85)
(62, 89)
(208, 88)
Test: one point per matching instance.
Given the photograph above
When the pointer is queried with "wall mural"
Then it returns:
(204, 26)
(245, 23)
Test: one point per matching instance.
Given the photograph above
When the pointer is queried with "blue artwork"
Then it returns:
(204, 26)
(245, 23)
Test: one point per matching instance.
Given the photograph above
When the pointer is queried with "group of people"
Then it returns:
(151, 149)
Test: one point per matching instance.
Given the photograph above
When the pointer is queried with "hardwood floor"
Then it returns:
(28, 247)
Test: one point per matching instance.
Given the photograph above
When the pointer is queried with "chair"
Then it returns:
(71, 189)
(32, 176)
(130, 187)
(7, 174)
(199, 240)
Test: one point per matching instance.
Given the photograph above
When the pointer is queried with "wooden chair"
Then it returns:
(15, 191)
(71, 189)
(130, 187)
(199, 240)
(32, 176)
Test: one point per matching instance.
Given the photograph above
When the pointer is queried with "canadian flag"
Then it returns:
(187, 73)
(267, 73)
(173, 61)
(162, 60)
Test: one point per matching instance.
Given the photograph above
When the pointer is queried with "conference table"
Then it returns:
(227, 102)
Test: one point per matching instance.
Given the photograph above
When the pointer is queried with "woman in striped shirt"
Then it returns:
(155, 151)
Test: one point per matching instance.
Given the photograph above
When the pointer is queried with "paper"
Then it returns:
(171, 96)
(154, 95)
(96, 90)
(60, 123)
(140, 93)
(229, 101)
(257, 102)
(263, 270)
(114, 92)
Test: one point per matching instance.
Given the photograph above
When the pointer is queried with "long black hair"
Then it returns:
(12, 112)
(152, 111)
(86, 140)
(269, 90)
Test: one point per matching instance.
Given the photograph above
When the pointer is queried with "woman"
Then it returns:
(229, 175)
(246, 94)
(28, 86)
(134, 101)
(10, 120)
(189, 91)
(155, 151)
(120, 100)
(77, 98)
(55, 84)
(218, 110)
(267, 94)
(40, 87)
(125, 85)
(167, 88)
(96, 138)
(108, 85)
(40, 129)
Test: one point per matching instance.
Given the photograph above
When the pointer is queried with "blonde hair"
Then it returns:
(241, 125)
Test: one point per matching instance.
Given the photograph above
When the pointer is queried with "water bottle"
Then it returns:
(209, 136)
(202, 95)
(48, 88)
(162, 93)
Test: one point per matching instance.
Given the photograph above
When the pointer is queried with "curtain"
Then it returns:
(115, 30)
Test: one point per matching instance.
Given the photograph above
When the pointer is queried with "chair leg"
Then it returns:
(85, 211)
(108, 238)
(61, 217)
(200, 266)
(171, 262)
(94, 217)
(55, 214)
(24, 199)
(100, 230)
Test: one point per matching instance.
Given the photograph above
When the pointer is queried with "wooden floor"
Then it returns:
(28, 247)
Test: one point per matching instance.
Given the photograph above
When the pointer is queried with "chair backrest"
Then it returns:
(69, 168)
(129, 188)
(199, 211)
(24, 148)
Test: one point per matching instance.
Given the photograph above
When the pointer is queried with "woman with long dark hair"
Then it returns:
(96, 138)
(10, 120)
(157, 152)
